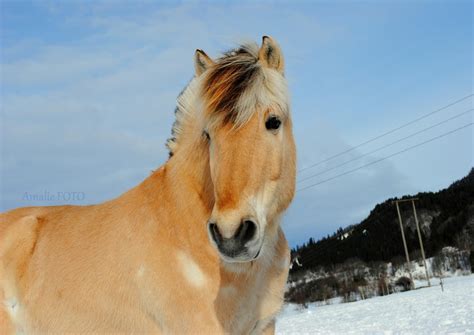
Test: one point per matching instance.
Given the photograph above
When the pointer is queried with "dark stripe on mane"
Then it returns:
(227, 81)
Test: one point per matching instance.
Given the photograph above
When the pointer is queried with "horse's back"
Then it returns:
(19, 229)
(19, 233)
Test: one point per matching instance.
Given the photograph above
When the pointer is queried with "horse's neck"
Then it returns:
(182, 187)
(189, 170)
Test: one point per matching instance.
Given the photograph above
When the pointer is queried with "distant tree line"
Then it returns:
(378, 238)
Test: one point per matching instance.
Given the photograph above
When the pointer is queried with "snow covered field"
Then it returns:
(422, 311)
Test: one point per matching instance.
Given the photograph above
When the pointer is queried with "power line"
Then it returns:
(387, 133)
(386, 157)
(385, 146)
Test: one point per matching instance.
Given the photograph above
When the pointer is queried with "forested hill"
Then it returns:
(446, 219)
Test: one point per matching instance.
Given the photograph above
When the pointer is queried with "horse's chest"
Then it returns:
(192, 296)
(203, 304)
(238, 304)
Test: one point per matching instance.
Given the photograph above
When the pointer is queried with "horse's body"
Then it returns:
(143, 263)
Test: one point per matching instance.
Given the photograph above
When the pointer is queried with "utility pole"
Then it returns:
(404, 243)
(421, 242)
(412, 200)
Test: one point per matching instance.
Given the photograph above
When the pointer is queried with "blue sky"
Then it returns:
(88, 91)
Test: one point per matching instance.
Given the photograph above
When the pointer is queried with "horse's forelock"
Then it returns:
(227, 81)
(238, 83)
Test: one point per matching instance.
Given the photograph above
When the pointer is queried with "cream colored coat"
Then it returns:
(142, 263)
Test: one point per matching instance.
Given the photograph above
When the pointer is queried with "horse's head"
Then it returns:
(251, 147)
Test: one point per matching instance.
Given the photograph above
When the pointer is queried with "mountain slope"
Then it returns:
(446, 219)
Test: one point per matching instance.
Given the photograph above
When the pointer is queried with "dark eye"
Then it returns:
(273, 123)
(206, 135)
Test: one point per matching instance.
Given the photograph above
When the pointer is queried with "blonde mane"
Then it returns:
(185, 110)
(234, 88)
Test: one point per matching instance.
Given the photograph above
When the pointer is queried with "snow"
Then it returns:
(344, 236)
(421, 311)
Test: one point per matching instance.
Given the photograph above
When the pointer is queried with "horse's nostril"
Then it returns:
(246, 231)
(214, 231)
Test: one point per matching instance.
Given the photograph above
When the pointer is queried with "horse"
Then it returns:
(197, 247)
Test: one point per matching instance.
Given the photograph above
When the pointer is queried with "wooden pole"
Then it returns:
(421, 242)
(405, 245)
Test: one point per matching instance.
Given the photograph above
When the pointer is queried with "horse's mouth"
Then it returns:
(243, 257)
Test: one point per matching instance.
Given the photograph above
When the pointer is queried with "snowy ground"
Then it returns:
(422, 311)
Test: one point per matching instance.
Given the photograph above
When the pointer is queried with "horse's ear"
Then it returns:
(201, 62)
(270, 54)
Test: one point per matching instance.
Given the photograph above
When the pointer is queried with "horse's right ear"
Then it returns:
(201, 62)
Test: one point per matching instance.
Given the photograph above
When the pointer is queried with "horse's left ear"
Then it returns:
(270, 54)
(201, 62)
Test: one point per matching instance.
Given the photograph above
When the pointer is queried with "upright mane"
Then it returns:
(184, 111)
(231, 90)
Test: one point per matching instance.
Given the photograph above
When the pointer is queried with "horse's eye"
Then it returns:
(273, 123)
(206, 135)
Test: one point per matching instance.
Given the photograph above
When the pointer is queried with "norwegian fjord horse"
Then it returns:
(195, 248)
